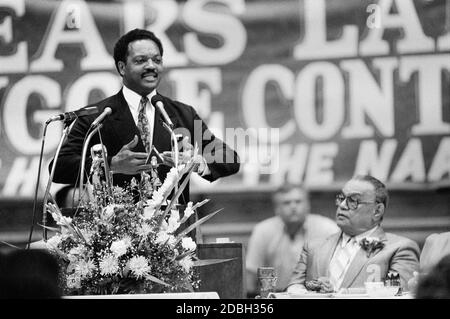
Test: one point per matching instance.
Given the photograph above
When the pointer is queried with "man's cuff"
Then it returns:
(203, 168)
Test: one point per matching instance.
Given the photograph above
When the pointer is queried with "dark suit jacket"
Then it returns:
(119, 129)
(399, 254)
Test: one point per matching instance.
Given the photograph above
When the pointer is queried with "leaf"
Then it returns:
(10, 245)
(197, 205)
(184, 255)
(194, 225)
(207, 262)
(56, 230)
(188, 286)
(158, 281)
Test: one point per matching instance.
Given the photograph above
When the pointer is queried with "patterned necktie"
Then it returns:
(143, 125)
(340, 262)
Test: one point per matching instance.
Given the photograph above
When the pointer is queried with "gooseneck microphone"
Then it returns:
(107, 111)
(158, 103)
(70, 116)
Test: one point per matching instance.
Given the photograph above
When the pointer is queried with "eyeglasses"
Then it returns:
(352, 202)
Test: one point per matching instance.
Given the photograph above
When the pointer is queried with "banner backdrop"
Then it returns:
(304, 90)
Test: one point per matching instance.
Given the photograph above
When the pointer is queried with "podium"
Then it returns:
(225, 278)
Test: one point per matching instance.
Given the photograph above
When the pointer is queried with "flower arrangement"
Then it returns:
(371, 244)
(129, 240)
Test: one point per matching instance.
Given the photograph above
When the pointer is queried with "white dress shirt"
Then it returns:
(353, 248)
(133, 100)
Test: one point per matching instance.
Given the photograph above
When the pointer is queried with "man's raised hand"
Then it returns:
(129, 162)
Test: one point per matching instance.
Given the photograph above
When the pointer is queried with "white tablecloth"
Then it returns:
(315, 295)
(181, 295)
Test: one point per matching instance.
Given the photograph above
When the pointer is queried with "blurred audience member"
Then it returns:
(436, 284)
(29, 274)
(277, 241)
(436, 246)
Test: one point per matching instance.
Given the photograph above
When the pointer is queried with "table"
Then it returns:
(315, 295)
(181, 295)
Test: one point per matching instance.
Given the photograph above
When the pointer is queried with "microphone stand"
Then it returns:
(66, 131)
(83, 159)
(37, 184)
(108, 173)
(174, 144)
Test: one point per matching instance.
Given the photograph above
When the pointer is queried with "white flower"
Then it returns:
(87, 234)
(133, 183)
(119, 247)
(144, 229)
(53, 242)
(139, 266)
(163, 237)
(188, 211)
(77, 250)
(84, 268)
(188, 244)
(109, 265)
(171, 177)
(73, 281)
(186, 263)
(62, 220)
(169, 183)
(109, 211)
(158, 197)
(57, 216)
(149, 211)
(174, 221)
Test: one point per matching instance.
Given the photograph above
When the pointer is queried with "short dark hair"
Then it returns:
(29, 274)
(121, 46)
(287, 187)
(381, 192)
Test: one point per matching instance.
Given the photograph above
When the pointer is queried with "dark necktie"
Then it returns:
(143, 125)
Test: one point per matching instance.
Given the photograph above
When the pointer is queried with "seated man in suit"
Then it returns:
(361, 251)
(277, 241)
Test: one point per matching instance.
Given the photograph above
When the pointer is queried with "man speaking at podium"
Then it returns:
(135, 124)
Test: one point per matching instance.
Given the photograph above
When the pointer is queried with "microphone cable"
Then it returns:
(37, 187)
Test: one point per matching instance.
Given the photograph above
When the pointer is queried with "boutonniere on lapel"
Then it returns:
(371, 244)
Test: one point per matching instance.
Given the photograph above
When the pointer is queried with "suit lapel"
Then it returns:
(355, 268)
(360, 260)
(125, 125)
(326, 252)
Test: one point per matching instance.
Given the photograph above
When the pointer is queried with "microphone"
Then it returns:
(70, 116)
(158, 103)
(107, 111)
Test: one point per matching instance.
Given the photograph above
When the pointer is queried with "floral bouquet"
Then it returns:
(129, 240)
(371, 244)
